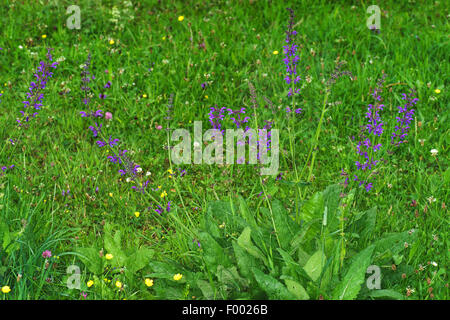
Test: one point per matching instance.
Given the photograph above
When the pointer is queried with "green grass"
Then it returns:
(155, 54)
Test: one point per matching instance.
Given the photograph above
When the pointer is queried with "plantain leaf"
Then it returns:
(349, 287)
(213, 254)
(286, 228)
(245, 242)
(275, 290)
(296, 289)
(315, 264)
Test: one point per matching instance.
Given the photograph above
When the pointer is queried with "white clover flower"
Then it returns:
(434, 263)
(434, 152)
(431, 199)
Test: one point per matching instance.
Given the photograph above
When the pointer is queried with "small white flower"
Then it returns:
(434, 152)
(20, 47)
(139, 169)
(128, 179)
(434, 263)
(148, 173)
(431, 199)
(165, 61)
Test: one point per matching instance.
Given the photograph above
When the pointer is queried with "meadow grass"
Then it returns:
(149, 53)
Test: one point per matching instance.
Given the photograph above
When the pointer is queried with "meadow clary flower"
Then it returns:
(405, 117)
(35, 95)
(216, 115)
(366, 147)
(291, 57)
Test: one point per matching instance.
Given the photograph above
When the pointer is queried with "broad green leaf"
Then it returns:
(386, 294)
(349, 287)
(113, 245)
(245, 212)
(331, 201)
(365, 223)
(219, 213)
(91, 259)
(138, 259)
(394, 243)
(246, 243)
(296, 289)
(213, 254)
(313, 207)
(286, 228)
(315, 264)
(294, 268)
(245, 261)
(5, 237)
(206, 289)
(275, 290)
(230, 279)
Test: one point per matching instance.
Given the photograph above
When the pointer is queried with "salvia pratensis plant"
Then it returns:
(35, 93)
(404, 118)
(128, 169)
(34, 97)
(369, 143)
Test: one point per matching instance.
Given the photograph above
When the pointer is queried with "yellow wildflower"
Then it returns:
(137, 214)
(118, 284)
(110, 194)
(437, 91)
(275, 52)
(90, 283)
(163, 194)
(144, 96)
(6, 289)
(44, 36)
(111, 42)
(148, 282)
(109, 256)
(180, 18)
(177, 277)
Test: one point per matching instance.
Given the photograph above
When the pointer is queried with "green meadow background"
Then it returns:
(230, 233)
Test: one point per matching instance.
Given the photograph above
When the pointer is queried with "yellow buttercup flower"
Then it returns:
(110, 194)
(437, 91)
(206, 97)
(118, 284)
(144, 96)
(6, 289)
(177, 277)
(148, 282)
(275, 52)
(180, 18)
(111, 42)
(44, 36)
(109, 256)
(163, 194)
(137, 214)
(90, 283)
